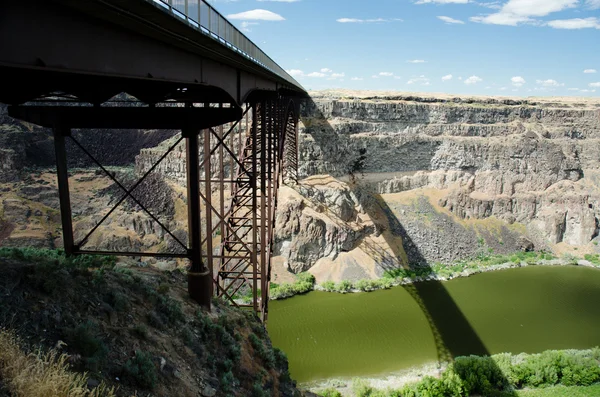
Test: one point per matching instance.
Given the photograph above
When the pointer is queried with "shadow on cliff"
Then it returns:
(452, 333)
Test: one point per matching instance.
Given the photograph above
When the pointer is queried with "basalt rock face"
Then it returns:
(401, 136)
(24, 145)
(522, 162)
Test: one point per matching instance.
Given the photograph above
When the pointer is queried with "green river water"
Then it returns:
(528, 309)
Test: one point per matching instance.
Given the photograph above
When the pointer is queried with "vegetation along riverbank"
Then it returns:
(551, 373)
(305, 282)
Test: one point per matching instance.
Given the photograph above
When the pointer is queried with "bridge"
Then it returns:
(63, 63)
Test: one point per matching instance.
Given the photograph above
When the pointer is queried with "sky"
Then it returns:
(475, 47)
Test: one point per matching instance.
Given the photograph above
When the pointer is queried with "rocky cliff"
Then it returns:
(453, 177)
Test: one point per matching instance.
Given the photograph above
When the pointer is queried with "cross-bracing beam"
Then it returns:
(243, 267)
(233, 175)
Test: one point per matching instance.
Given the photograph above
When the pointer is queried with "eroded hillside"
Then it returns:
(438, 179)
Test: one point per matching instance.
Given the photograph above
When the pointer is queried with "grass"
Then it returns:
(483, 262)
(41, 374)
(57, 258)
(593, 258)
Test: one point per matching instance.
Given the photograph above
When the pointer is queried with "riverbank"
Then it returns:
(435, 272)
(473, 375)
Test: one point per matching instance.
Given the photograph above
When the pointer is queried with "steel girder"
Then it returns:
(233, 175)
(247, 223)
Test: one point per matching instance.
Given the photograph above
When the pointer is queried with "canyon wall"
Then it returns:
(457, 176)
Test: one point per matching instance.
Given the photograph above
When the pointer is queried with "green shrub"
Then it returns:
(328, 286)
(281, 360)
(259, 391)
(228, 381)
(395, 273)
(362, 285)
(361, 388)
(170, 309)
(118, 301)
(501, 373)
(330, 392)
(140, 331)
(141, 371)
(305, 282)
(343, 286)
(266, 354)
(480, 375)
(84, 340)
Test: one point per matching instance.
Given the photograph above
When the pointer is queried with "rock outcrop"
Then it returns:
(457, 175)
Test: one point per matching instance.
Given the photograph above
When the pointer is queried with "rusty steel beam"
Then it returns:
(259, 147)
(247, 241)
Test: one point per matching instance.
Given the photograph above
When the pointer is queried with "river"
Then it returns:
(529, 309)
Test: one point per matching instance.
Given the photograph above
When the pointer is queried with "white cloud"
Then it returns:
(573, 89)
(337, 75)
(589, 71)
(593, 4)
(515, 12)
(473, 80)
(386, 74)
(503, 88)
(587, 90)
(417, 61)
(371, 20)
(549, 83)
(460, 77)
(316, 74)
(575, 23)
(518, 81)
(495, 5)
(450, 20)
(597, 85)
(326, 70)
(398, 77)
(442, 1)
(447, 77)
(356, 79)
(295, 72)
(256, 15)
(374, 76)
(419, 80)
(245, 25)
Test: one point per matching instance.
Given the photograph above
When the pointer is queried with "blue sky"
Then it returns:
(487, 47)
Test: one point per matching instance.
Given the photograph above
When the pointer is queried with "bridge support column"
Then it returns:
(63, 187)
(199, 277)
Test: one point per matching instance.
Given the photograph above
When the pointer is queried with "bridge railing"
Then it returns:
(202, 16)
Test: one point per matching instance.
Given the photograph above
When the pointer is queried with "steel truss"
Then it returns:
(244, 262)
(233, 175)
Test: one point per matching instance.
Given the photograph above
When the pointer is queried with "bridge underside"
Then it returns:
(236, 159)
(97, 49)
(113, 64)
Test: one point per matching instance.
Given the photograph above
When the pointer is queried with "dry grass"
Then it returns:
(41, 374)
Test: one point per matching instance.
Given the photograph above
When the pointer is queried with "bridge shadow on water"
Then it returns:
(452, 333)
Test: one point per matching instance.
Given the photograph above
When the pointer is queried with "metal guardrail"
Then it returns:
(204, 18)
